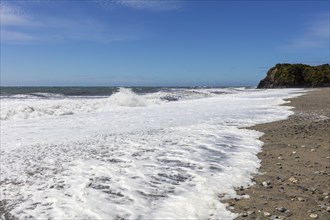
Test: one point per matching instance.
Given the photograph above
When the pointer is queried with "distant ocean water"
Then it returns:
(130, 153)
(56, 92)
(47, 92)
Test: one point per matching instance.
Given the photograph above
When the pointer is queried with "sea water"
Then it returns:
(131, 153)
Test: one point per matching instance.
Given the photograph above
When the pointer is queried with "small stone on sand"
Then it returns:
(294, 180)
(314, 216)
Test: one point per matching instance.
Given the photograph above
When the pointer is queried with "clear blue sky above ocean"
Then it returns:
(157, 43)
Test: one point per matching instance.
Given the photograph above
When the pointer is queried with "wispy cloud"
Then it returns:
(17, 26)
(315, 35)
(13, 16)
(18, 37)
(152, 5)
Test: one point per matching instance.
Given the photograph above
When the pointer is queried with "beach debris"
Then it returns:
(314, 216)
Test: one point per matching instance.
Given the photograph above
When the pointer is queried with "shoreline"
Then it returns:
(269, 181)
(293, 181)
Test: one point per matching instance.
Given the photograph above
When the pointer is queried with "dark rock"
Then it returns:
(273, 217)
(281, 209)
(244, 214)
(288, 213)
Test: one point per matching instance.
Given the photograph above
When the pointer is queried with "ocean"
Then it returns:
(130, 153)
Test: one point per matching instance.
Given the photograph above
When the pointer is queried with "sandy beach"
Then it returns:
(294, 178)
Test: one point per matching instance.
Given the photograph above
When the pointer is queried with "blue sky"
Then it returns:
(157, 43)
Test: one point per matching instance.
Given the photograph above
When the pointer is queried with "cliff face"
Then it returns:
(296, 75)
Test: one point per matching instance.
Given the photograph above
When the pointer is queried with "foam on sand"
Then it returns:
(161, 161)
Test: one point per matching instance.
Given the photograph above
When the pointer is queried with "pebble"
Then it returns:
(294, 180)
(301, 199)
(313, 150)
(244, 214)
(267, 214)
(281, 209)
(288, 213)
(279, 178)
(245, 208)
(250, 212)
(266, 184)
(273, 217)
(328, 208)
(314, 216)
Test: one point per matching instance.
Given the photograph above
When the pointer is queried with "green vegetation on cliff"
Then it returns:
(296, 75)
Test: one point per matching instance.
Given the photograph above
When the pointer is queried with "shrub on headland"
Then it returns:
(296, 75)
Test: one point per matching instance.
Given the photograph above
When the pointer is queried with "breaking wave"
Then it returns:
(126, 97)
(38, 104)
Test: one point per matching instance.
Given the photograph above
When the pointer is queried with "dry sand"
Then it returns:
(294, 179)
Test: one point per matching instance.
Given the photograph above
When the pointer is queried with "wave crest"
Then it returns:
(126, 97)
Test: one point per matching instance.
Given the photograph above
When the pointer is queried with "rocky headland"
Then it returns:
(296, 76)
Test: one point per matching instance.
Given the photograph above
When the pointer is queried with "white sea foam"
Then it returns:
(14, 109)
(166, 160)
(126, 97)
(35, 106)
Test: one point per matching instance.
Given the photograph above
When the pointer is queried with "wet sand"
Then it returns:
(294, 178)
